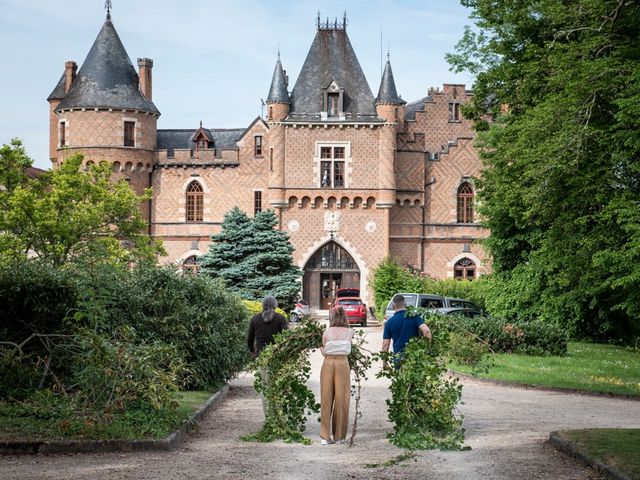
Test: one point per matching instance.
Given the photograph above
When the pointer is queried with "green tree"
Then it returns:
(253, 257)
(69, 213)
(560, 190)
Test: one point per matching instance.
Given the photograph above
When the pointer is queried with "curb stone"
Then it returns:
(174, 440)
(573, 451)
(544, 388)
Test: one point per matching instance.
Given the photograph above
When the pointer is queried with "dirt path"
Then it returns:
(506, 428)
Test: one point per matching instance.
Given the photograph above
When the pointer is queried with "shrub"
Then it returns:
(254, 307)
(532, 338)
(205, 323)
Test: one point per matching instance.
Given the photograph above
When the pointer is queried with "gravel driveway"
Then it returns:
(505, 427)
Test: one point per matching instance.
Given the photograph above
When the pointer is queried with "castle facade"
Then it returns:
(353, 178)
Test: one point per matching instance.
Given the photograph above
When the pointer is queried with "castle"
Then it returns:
(352, 177)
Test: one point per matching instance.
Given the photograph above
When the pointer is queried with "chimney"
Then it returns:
(70, 69)
(145, 65)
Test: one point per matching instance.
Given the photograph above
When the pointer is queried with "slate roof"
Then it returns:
(278, 91)
(331, 57)
(411, 108)
(58, 91)
(387, 92)
(107, 78)
(223, 139)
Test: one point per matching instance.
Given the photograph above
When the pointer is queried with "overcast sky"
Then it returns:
(213, 59)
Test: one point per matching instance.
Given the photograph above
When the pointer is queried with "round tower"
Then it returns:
(105, 111)
(278, 104)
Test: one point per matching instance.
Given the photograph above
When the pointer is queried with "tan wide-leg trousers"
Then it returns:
(335, 394)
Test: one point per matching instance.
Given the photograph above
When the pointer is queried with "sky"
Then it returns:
(213, 59)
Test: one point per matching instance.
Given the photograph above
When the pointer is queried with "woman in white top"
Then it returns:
(335, 379)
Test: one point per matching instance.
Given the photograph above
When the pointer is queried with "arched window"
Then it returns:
(195, 200)
(190, 265)
(464, 269)
(465, 203)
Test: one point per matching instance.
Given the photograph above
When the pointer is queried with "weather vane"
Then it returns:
(108, 6)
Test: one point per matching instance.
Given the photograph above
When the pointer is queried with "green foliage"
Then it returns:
(69, 213)
(359, 362)
(465, 349)
(560, 188)
(282, 371)
(195, 314)
(423, 398)
(532, 338)
(253, 257)
(254, 307)
(117, 374)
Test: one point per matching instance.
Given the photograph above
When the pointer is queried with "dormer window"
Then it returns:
(332, 104)
(333, 100)
(203, 144)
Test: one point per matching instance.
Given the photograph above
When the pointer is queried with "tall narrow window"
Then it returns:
(464, 269)
(257, 202)
(332, 167)
(257, 147)
(63, 134)
(333, 99)
(271, 159)
(454, 112)
(465, 203)
(129, 134)
(202, 144)
(195, 202)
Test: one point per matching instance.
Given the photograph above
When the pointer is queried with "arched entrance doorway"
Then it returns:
(329, 269)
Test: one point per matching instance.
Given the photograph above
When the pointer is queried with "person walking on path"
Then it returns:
(262, 328)
(335, 379)
(400, 329)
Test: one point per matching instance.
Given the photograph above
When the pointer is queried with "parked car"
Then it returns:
(347, 292)
(300, 310)
(354, 308)
(428, 300)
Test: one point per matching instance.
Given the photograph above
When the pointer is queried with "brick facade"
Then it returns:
(399, 197)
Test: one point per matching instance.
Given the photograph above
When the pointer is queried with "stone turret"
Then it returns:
(389, 105)
(278, 103)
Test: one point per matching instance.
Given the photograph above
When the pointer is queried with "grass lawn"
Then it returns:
(617, 448)
(587, 366)
(53, 418)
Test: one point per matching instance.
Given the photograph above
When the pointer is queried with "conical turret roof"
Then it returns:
(107, 78)
(58, 91)
(387, 93)
(332, 58)
(278, 91)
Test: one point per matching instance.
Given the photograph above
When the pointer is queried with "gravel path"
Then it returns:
(506, 428)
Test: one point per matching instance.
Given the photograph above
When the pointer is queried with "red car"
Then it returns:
(354, 308)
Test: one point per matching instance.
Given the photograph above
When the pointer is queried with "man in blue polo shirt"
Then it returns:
(401, 328)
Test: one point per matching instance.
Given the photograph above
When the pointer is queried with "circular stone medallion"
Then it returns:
(370, 227)
(293, 225)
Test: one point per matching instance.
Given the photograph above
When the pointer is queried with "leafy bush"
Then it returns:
(254, 307)
(532, 338)
(205, 323)
(117, 374)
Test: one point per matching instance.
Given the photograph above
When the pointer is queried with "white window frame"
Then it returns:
(317, 163)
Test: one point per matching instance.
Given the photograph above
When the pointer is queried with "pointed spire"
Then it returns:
(278, 91)
(107, 6)
(387, 93)
(107, 78)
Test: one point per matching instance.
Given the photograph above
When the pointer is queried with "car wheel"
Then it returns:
(363, 323)
(294, 317)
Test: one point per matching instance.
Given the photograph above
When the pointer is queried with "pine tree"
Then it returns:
(253, 258)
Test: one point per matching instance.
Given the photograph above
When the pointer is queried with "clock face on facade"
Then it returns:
(370, 227)
(293, 225)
